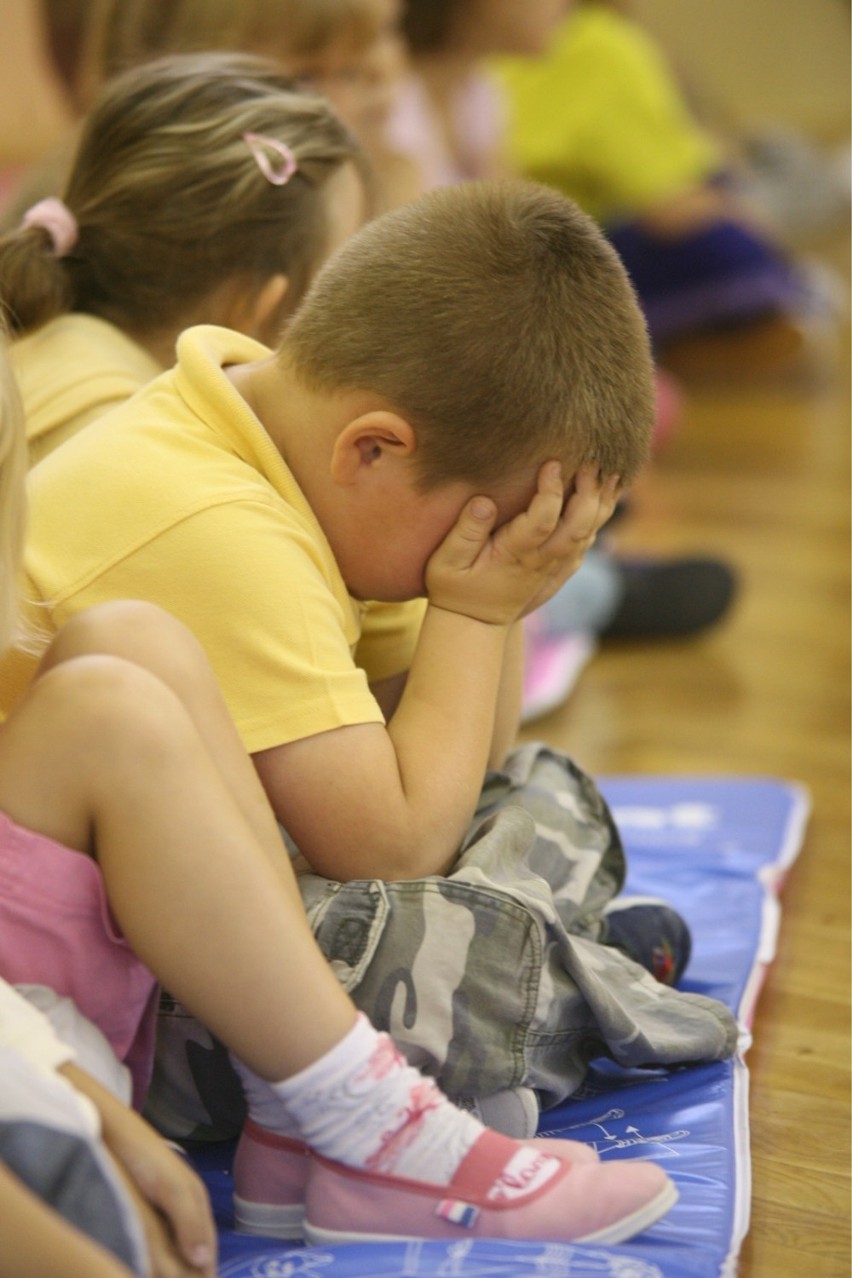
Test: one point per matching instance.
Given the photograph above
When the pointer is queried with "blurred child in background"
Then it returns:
(603, 118)
(348, 51)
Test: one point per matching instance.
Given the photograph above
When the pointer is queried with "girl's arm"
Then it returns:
(37, 1241)
(170, 1197)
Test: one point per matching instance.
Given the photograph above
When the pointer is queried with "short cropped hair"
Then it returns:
(498, 320)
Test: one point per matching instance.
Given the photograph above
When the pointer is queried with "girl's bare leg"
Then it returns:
(105, 758)
(156, 641)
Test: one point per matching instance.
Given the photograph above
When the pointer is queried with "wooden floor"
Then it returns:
(760, 477)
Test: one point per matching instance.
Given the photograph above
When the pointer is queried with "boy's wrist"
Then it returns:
(492, 622)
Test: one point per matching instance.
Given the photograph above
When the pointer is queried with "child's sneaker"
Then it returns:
(270, 1177)
(558, 1201)
(552, 666)
(650, 932)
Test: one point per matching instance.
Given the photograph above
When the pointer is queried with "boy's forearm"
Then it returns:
(395, 801)
(508, 716)
(507, 719)
(443, 731)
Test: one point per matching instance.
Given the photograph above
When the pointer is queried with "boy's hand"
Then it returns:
(498, 577)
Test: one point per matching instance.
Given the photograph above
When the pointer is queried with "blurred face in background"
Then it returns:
(359, 78)
(522, 27)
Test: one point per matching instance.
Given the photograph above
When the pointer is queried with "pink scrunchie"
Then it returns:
(58, 220)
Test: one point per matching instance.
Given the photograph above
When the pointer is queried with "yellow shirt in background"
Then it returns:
(71, 371)
(601, 118)
(180, 497)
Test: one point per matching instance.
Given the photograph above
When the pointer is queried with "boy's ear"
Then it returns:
(370, 442)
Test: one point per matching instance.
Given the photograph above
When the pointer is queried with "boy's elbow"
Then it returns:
(393, 860)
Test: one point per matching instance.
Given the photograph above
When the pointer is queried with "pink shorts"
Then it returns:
(56, 930)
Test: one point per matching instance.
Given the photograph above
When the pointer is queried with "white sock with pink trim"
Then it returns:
(361, 1104)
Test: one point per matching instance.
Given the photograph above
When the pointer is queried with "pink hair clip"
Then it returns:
(278, 169)
(57, 219)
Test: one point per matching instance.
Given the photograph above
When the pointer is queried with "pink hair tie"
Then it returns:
(58, 220)
(278, 169)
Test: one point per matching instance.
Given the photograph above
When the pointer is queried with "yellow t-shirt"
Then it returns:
(71, 371)
(180, 497)
(601, 118)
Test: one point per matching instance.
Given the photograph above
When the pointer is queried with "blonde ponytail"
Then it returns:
(34, 283)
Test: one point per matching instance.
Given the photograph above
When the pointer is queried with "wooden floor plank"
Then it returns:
(760, 476)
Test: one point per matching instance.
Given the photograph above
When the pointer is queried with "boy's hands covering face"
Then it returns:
(500, 576)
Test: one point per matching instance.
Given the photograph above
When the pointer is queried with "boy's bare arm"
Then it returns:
(388, 693)
(507, 715)
(393, 802)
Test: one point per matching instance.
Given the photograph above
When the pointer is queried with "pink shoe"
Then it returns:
(571, 1151)
(552, 666)
(578, 1202)
(270, 1177)
(670, 403)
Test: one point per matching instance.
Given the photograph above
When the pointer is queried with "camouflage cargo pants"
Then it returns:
(493, 977)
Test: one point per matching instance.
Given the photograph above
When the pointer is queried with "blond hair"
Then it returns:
(497, 318)
(170, 201)
(13, 465)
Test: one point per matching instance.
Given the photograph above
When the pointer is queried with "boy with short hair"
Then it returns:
(443, 429)
(435, 423)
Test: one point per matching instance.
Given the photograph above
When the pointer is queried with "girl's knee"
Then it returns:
(108, 626)
(134, 629)
(99, 727)
(113, 717)
(90, 674)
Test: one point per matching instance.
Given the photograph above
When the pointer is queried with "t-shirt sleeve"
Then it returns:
(277, 627)
(389, 634)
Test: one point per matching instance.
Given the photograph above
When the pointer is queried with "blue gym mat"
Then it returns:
(718, 849)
